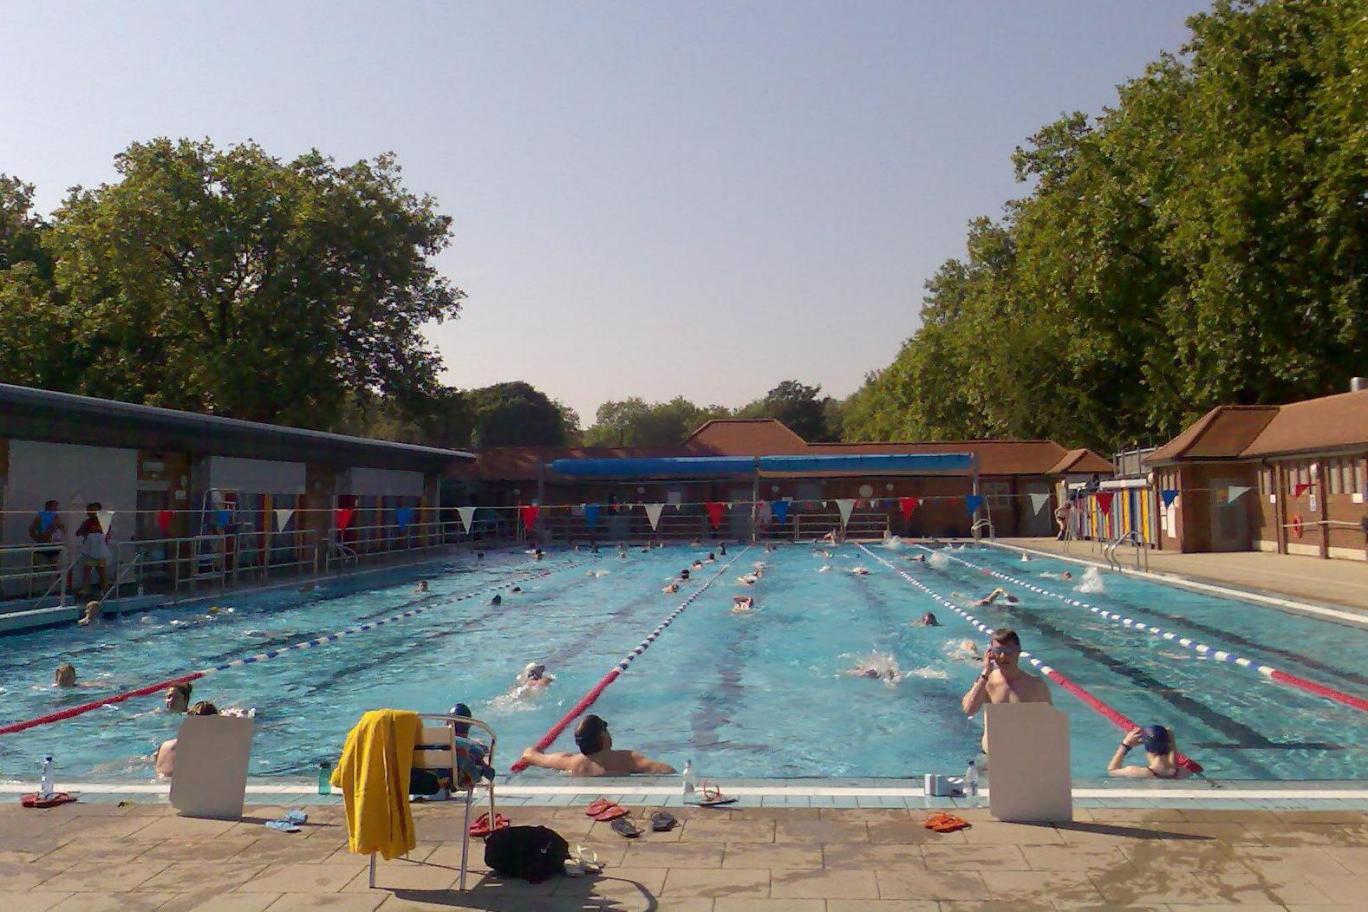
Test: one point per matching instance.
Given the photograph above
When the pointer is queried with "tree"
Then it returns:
(228, 281)
(634, 422)
(797, 406)
(518, 414)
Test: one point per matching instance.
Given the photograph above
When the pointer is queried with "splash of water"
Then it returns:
(1091, 582)
(939, 561)
(894, 543)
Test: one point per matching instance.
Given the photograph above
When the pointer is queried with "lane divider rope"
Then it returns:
(594, 692)
(1110, 713)
(1220, 655)
(79, 710)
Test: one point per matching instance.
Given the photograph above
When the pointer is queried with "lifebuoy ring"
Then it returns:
(1297, 527)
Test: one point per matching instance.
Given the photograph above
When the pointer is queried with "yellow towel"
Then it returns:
(373, 775)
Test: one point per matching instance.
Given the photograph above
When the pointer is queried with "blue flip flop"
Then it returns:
(282, 826)
(296, 816)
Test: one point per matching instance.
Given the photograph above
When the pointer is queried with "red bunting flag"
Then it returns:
(1104, 501)
(343, 516)
(1301, 488)
(907, 505)
(164, 521)
(714, 512)
(529, 515)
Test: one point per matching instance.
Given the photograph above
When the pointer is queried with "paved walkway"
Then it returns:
(95, 857)
(1339, 582)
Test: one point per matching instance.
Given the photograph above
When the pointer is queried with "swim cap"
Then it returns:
(462, 728)
(534, 670)
(1156, 739)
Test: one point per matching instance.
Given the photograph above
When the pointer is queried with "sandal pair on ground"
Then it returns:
(618, 817)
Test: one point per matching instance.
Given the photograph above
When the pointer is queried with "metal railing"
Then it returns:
(1132, 538)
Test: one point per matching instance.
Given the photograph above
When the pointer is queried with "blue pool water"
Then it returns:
(758, 695)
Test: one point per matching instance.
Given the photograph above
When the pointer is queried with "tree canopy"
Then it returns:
(806, 412)
(227, 281)
(1204, 241)
(635, 422)
(519, 414)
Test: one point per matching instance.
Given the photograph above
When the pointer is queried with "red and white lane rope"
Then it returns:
(1220, 655)
(148, 689)
(589, 698)
(1110, 713)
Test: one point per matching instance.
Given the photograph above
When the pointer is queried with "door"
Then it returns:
(1229, 522)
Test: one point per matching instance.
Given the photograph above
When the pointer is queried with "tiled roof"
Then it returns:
(744, 437)
(1327, 423)
(1081, 461)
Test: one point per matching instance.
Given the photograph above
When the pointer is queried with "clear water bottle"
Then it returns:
(689, 780)
(45, 787)
(971, 780)
(325, 778)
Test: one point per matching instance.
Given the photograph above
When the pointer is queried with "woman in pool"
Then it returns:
(742, 604)
(64, 676)
(1161, 755)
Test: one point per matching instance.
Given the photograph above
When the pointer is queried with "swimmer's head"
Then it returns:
(496, 600)
(65, 675)
(1067, 575)
(177, 699)
(684, 574)
(422, 585)
(516, 589)
(1157, 739)
(204, 708)
(591, 735)
(929, 619)
(534, 671)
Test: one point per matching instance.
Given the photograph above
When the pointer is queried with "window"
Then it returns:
(1358, 475)
(1332, 469)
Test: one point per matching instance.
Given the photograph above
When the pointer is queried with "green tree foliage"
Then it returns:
(1202, 242)
(231, 282)
(801, 407)
(518, 414)
(635, 422)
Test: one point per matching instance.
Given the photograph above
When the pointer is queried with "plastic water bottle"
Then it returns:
(325, 778)
(689, 781)
(971, 780)
(46, 787)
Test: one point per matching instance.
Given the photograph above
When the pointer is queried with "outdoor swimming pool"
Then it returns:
(756, 696)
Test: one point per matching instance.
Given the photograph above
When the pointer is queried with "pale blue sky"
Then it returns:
(696, 198)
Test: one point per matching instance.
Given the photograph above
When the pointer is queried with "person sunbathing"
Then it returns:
(596, 755)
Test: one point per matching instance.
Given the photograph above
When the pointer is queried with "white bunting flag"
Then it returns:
(282, 518)
(1235, 492)
(1038, 501)
(845, 505)
(653, 511)
(467, 515)
(106, 518)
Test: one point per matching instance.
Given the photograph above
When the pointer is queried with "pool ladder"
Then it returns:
(1130, 538)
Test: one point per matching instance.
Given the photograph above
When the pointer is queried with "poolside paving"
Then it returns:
(144, 857)
(1339, 582)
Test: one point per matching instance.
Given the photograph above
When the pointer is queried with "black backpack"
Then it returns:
(531, 853)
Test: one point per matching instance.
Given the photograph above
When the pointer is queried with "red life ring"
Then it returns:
(1297, 528)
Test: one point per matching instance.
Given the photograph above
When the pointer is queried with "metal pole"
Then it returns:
(755, 500)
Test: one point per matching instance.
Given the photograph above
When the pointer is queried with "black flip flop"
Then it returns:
(625, 827)
(663, 821)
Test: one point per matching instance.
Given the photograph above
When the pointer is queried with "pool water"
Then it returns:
(758, 695)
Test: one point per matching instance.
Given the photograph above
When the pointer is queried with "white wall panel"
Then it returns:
(385, 481)
(73, 475)
(256, 476)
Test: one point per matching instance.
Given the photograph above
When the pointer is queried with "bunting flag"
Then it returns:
(106, 518)
(653, 511)
(845, 505)
(282, 518)
(1168, 496)
(907, 505)
(467, 515)
(1300, 489)
(973, 502)
(1235, 492)
(45, 519)
(222, 518)
(591, 514)
(1104, 501)
(164, 522)
(343, 517)
(779, 510)
(714, 512)
(529, 515)
(1038, 501)
(404, 516)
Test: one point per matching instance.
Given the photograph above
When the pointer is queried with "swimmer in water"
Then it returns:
(877, 666)
(860, 571)
(920, 558)
(824, 568)
(672, 586)
(749, 579)
(742, 604)
(516, 589)
(1066, 575)
(927, 620)
(966, 651)
(821, 552)
(696, 565)
(496, 600)
(64, 676)
(537, 554)
(684, 574)
(711, 558)
(479, 555)
(998, 593)
(697, 542)
(534, 676)
(422, 586)
(91, 615)
(176, 700)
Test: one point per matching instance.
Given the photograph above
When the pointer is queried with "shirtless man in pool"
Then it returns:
(1002, 680)
(597, 756)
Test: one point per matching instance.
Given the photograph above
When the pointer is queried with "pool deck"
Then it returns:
(1343, 583)
(144, 857)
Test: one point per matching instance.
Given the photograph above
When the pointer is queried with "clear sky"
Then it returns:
(650, 198)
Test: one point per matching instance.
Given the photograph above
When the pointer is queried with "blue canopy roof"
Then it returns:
(718, 466)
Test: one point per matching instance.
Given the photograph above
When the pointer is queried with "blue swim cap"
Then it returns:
(460, 709)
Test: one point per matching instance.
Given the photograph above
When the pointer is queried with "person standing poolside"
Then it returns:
(53, 534)
(94, 549)
(1002, 680)
(597, 756)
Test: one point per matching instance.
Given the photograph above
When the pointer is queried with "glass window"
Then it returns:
(1358, 475)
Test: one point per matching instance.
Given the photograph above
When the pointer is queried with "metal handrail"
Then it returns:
(1134, 538)
(980, 524)
(119, 577)
(59, 581)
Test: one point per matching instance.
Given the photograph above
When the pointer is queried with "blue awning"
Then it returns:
(722, 466)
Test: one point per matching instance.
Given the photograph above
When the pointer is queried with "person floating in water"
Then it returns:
(596, 755)
(998, 593)
(1002, 680)
(1161, 755)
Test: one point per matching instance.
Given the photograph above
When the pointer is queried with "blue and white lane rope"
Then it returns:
(1220, 655)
